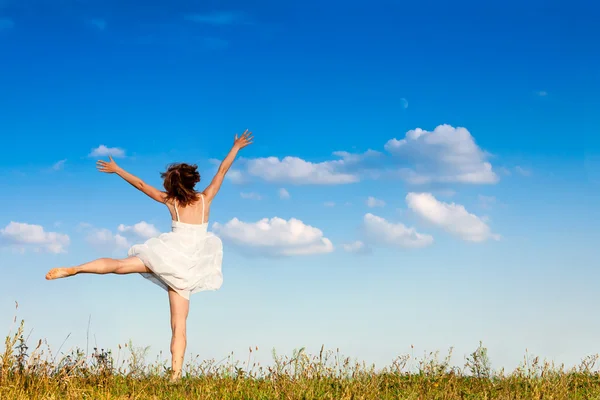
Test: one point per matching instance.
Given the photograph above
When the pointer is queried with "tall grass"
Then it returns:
(37, 373)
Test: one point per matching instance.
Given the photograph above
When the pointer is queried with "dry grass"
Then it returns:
(38, 374)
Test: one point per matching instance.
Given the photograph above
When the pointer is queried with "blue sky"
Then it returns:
(440, 162)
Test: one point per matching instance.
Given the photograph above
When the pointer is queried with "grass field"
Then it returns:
(37, 373)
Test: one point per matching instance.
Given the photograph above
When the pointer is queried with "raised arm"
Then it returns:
(238, 143)
(111, 167)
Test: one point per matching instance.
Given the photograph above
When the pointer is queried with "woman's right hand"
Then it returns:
(107, 167)
(244, 140)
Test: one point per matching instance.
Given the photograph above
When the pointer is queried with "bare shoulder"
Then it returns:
(170, 203)
(207, 199)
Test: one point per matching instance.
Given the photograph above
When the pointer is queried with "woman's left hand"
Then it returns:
(108, 167)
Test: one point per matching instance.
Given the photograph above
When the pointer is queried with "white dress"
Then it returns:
(188, 259)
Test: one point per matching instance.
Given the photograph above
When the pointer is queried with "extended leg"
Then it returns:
(130, 265)
(179, 312)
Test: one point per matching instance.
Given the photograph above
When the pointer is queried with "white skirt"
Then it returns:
(188, 259)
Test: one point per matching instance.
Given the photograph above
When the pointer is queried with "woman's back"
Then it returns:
(195, 213)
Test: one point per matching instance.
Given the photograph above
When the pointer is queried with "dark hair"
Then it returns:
(179, 182)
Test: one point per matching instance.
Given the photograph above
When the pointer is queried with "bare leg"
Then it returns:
(179, 312)
(130, 265)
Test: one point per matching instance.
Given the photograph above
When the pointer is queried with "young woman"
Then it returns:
(184, 261)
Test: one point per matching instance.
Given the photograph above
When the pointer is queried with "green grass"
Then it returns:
(39, 374)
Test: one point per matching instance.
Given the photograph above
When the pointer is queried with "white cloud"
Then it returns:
(356, 247)
(250, 196)
(274, 237)
(373, 202)
(367, 165)
(329, 204)
(542, 93)
(404, 103)
(104, 238)
(284, 194)
(142, 230)
(59, 165)
(446, 154)
(103, 151)
(294, 170)
(451, 217)
(6, 23)
(125, 236)
(350, 159)
(23, 235)
(235, 176)
(380, 231)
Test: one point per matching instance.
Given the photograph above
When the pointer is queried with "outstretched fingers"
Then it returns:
(248, 136)
(101, 165)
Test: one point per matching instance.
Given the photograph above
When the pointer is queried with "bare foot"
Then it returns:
(175, 377)
(56, 273)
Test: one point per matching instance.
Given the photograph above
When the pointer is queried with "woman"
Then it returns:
(184, 261)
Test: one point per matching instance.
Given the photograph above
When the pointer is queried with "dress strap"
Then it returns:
(202, 208)
(176, 211)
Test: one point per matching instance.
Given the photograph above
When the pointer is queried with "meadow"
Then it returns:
(35, 372)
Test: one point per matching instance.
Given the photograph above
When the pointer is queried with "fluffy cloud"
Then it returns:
(294, 170)
(446, 154)
(274, 237)
(142, 230)
(235, 176)
(103, 151)
(250, 196)
(356, 247)
(104, 238)
(284, 194)
(373, 202)
(125, 236)
(380, 231)
(451, 217)
(23, 236)
(369, 158)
